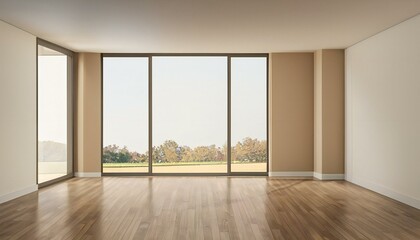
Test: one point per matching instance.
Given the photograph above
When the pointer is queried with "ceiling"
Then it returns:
(205, 26)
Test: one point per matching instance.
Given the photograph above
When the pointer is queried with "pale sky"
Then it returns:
(189, 100)
(52, 98)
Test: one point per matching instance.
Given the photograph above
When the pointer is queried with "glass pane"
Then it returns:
(189, 114)
(249, 114)
(125, 114)
(52, 114)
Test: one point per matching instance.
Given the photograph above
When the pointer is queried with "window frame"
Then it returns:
(229, 107)
(70, 110)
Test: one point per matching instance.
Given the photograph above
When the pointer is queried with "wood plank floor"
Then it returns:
(206, 208)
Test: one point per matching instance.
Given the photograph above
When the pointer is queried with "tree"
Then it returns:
(158, 155)
(170, 151)
(247, 150)
(138, 157)
(187, 154)
(250, 150)
(115, 154)
(110, 153)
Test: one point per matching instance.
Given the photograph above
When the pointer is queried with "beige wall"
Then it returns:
(333, 111)
(17, 112)
(318, 112)
(291, 112)
(88, 117)
(329, 112)
(292, 101)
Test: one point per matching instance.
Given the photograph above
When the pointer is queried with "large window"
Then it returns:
(125, 115)
(189, 114)
(249, 114)
(55, 158)
(184, 114)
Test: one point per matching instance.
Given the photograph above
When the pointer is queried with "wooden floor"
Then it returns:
(206, 208)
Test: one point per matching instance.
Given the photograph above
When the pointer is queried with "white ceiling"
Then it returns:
(205, 26)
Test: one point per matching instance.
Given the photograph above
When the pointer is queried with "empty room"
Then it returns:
(210, 119)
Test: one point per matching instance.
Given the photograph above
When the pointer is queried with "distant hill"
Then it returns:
(49, 151)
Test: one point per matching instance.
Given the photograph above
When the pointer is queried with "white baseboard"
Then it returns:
(387, 192)
(321, 176)
(87, 174)
(307, 174)
(19, 193)
(291, 174)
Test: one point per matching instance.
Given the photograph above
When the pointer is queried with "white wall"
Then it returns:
(17, 112)
(383, 112)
